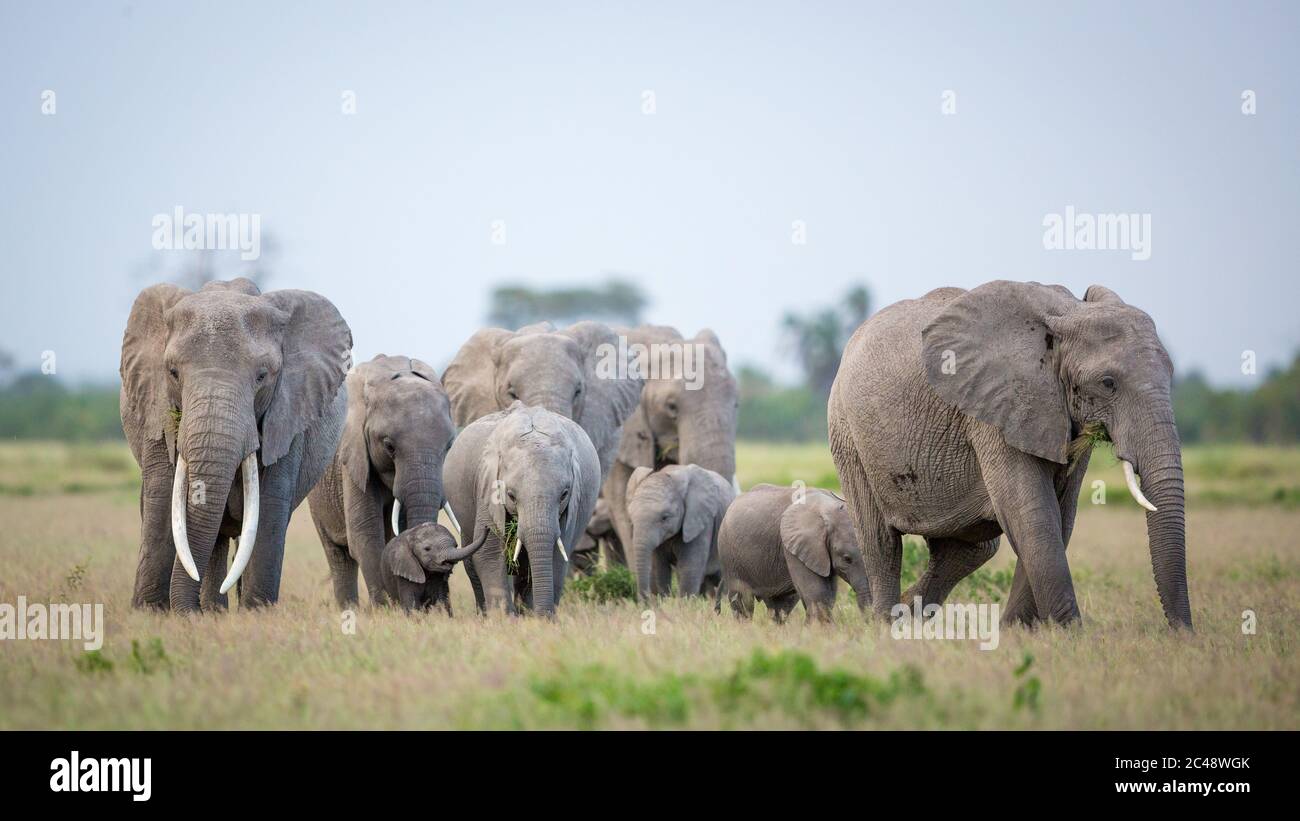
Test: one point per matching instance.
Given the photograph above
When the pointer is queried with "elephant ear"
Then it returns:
(471, 377)
(634, 481)
(405, 563)
(582, 491)
(806, 536)
(707, 497)
(990, 353)
(1100, 293)
(491, 497)
(636, 446)
(316, 353)
(145, 404)
(425, 371)
(354, 445)
(613, 388)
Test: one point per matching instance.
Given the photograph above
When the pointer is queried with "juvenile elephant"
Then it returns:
(416, 565)
(967, 414)
(675, 513)
(784, 545)
(529, 477)
(579, 372)
(388, 468)
(232, 401)
(686, 414)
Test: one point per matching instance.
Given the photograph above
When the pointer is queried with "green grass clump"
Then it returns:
(92, 662)
(615, 583)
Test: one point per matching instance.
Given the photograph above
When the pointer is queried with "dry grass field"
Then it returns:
(70, 534)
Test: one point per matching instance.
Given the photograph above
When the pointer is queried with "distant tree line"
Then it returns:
(616, 301)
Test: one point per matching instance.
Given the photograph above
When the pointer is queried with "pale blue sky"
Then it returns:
(766, 113)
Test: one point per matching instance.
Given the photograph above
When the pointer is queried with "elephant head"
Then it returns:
(817, 533)
(229, 377)
(574, 372)
(685, 501)
(537, 478)
(427, 549)
(1047, 370)
(687, 413)
(397, 433)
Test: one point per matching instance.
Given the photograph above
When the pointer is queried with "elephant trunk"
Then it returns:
(539, 539)
(217, 433)
(417, 494)
(1161, 468)
(707, 437)
(643, 549)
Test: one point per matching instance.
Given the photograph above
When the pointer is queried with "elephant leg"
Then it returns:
(782, 605)
(210, 595)
(661, 573)
(490, 568)
(153, 569)
(692, 560)
(951, 560)
(343, 570)
(882, 545)
(477, 586)
(260, 583)
(1020, 608)
(741, 602)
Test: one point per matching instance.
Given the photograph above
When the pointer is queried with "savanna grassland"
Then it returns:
(71, 533)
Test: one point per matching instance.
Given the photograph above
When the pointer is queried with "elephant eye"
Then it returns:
(175, 373)
(672, 406)
(261, 376)
(389, 446)
(577, 392)
(510, 392)
(1108, 382)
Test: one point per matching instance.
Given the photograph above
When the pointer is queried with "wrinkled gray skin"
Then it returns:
(964, 453)
(676, 512)
(538, 467)
(674, 425)
(599, 533)
(416, 565)
(396, 435)
(248, 372)
(570, 372)
(782, 551)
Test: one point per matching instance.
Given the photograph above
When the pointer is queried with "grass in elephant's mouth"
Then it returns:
(1093, 434)
(509, 539)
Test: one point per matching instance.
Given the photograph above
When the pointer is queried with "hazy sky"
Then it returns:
(532, 113)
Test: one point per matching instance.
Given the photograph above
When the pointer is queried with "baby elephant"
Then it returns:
(786, 544)
(416, 565)
(676, 512)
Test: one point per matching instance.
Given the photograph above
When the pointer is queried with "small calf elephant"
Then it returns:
(784, 545)
(675, 513)
(416, 565)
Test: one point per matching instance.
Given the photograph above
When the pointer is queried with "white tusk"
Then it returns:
(455, 525)
(519, 545)
(397, 511)
(248, 533)
(1131, 479)
(559, 542)
(735, 484)
(179, 534)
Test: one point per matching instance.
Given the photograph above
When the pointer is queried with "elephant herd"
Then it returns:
(957, 417)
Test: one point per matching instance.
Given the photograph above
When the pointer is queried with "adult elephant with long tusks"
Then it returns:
(580, 372)
(686, 415)
(387, 473)
(529, 477)
(967, 414)
(232, 401)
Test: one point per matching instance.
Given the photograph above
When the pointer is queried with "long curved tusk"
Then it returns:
(1131, 479)
(397, 511)
(455, 525)
(735, 484)
(248, 533)
(179, 535)
(559, 542)
(519, 545)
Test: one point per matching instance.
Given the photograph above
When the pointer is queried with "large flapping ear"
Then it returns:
(613, 388)
(634, 481)
(491, 496)
(708, 337)
(707, 497)
(145, 405)
(354, 445)
(471, 377)
(405, 563)
(807, 536)
(316, 352)
(583, 488)
(990, 353)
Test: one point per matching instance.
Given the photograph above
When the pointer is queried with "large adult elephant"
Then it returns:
(387, 473)
(963, 415)
(574, 372)
(232, 401)
(686, 416)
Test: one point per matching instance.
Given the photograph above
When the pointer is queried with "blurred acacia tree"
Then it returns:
(617, 301)
(818, 339)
